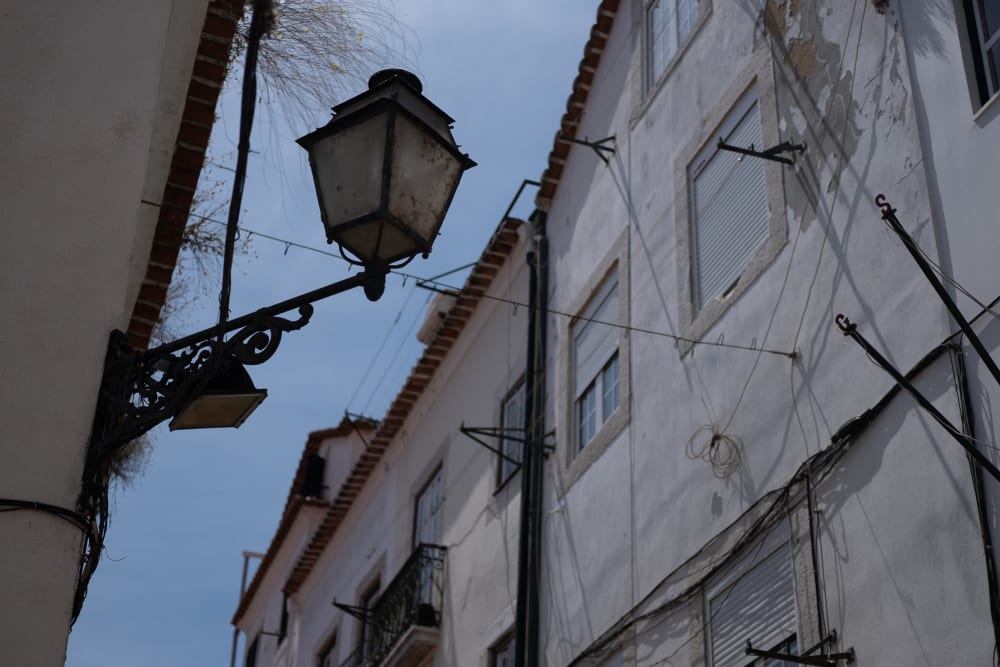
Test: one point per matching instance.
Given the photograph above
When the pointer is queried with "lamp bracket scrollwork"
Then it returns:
(141, 389)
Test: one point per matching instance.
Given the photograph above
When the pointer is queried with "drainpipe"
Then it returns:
(526, 638)
(247, 555)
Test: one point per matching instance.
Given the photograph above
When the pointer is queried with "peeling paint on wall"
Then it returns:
(816, 104)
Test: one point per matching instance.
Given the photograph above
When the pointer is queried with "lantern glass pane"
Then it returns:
(424, 176)
(348, 168)
(361, 240)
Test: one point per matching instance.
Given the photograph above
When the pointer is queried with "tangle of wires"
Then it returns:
(781, 501)
(720, 449)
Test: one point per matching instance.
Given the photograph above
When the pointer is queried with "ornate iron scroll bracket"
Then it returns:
(142, 389)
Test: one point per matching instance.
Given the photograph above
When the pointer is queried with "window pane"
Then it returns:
(502, 655)
(587, 415)
(609, 388)
(662, 35)
(993, 68)
(512, 435)
(687, 16)
(990, 11)
(428, 522)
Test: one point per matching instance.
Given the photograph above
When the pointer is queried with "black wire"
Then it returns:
(70, 516)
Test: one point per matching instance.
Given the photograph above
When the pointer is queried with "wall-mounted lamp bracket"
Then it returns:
(773, 153)
(141, 389)
(600, 147)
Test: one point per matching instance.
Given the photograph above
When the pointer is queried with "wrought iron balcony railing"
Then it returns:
(412, 598)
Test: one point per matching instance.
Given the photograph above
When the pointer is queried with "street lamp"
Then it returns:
(385, 169)
(387, 203)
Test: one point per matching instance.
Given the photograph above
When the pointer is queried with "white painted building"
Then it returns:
(729, 470)
(413, 519)
(105, 112)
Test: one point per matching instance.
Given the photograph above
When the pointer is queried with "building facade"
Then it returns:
(730, 479)
(105, 112)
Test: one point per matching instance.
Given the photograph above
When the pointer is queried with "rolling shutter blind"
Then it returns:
(594, 343)
(759, 606)
(729, 204)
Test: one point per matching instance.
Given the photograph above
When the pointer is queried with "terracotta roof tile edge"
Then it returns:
(577, 100)
(501, 243)
(295, 501)
(218, 29)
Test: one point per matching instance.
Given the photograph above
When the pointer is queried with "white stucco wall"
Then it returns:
(89, 108)
(644, 507)
(961, 147)
(479, 525)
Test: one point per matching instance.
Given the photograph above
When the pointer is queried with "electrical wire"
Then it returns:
(72, 517)
(381, 348)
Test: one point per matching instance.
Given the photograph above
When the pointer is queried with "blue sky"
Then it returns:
(169, 579)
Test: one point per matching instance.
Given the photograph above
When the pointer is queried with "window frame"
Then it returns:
(366, 601)
(977, 44)
(436, 472)
(503, 474)
(574, 459)
(327, 656)
(651, 79)
(757, 78)
(505, 643)
(595, 384)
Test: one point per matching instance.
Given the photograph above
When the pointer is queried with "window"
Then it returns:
(283, 625)
(595, 362)
(250, 659)
(511, 432)
(328, 654)
(983, 24)
(668, 24)
(502, 653)
(729, 209)
(730, 212)
(427, 528)
(427, 517)
(366, 637)
(754, 601)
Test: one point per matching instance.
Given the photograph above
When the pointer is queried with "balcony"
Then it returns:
(403, 623)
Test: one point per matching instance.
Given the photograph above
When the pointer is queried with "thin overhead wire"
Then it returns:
(251, 233)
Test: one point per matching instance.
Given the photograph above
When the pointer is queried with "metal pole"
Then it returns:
(247, 555)
(248, 102)
(889, 215)
(850, 329)
(525, 551)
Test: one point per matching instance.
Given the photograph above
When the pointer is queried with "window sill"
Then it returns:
(507, 482)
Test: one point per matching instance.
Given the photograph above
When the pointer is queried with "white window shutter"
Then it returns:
(729, 205)
(759, 606)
